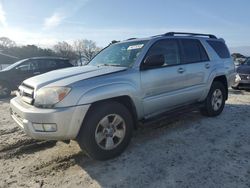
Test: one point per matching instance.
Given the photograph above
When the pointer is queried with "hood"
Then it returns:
(243, 69)
(63, 77)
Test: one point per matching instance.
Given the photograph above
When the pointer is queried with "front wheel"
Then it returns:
(106, 131)
(215, 101)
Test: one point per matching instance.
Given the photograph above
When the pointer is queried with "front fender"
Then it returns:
(113, 90)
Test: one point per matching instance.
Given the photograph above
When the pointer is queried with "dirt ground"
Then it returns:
(189, 151)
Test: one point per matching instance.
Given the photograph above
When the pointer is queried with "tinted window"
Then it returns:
(63, 63)
(168, 48)
(220, 48)
(204, 56)
(48, 64)
(29, 66)
(193, 51)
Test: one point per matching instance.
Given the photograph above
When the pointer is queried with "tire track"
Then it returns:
(9, 131)
(27, 147)
(57, 164)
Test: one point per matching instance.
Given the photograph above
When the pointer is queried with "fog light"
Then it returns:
(50, 127)
(38, 127)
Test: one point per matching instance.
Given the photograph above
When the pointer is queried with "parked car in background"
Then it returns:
(101, 103)
(243, 76)
(12, 76)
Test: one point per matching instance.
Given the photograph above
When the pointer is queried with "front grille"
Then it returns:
(245, 76)
(27, 93)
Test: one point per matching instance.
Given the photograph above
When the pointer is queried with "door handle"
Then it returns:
(36, 72)
(207, 65)
(181, 70)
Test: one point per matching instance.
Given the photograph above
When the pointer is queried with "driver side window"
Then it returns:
(169, 49)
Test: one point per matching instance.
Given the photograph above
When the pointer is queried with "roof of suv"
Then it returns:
(178, 34)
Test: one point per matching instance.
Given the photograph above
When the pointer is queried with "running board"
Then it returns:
(170, 114)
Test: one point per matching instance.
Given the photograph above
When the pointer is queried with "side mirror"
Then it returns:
(153, 61)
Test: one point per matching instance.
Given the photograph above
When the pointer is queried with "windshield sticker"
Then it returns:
(138, 46)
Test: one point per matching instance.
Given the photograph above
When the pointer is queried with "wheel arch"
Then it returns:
(124, 100)
(223, 80)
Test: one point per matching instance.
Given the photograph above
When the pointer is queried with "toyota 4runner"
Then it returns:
(100, 104)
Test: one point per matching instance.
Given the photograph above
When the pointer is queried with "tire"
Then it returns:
(5, 90)
(214, 106)
(97, 121)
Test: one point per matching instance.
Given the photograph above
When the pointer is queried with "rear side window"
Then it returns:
(220, 48)
(63, 63)
(50, 64)
(193, 51)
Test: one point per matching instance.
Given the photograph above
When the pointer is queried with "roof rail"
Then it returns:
(190, 34)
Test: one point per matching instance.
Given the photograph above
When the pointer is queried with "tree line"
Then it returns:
(81, 51)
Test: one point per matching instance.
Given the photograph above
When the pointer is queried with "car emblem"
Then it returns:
(248, 77)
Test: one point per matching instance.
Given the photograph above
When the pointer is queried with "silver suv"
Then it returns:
(100, 104)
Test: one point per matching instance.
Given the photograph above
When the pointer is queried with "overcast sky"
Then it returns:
(45, 22)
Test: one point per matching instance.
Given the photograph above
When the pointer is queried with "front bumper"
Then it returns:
(243, 84)
(68, 120)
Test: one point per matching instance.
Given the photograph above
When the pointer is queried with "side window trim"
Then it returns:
(165, 66)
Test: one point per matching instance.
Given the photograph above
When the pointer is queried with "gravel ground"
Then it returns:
(190, 151)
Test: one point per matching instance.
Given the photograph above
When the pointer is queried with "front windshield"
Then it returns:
(120, 54)
(14, 65)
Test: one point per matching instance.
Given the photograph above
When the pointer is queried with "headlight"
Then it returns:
(49, 96)
(237, 78)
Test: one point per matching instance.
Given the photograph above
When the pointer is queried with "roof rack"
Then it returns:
(190, 34)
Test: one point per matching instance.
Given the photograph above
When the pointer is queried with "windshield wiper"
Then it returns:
(114, 65)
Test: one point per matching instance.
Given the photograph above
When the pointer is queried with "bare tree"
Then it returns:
(64, 49)
(85, 50)
(6, 42)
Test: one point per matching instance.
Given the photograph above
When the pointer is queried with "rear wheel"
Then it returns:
(215, 101)
(4, 90)
(106, 131)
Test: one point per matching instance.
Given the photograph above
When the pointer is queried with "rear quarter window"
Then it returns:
(64, 63)
(220, 48)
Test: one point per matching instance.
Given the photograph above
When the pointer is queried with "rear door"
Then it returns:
(198, 67)
(163, 87)
(53, 64)
(47, 65)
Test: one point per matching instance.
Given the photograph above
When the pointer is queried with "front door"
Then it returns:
(163, 87)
